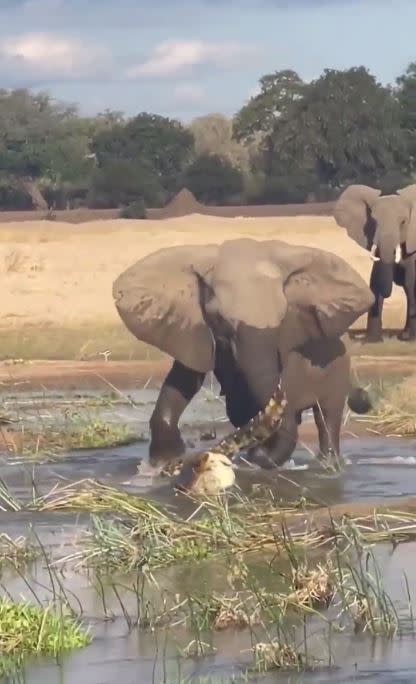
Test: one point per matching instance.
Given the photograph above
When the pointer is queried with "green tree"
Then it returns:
(406, 95)
(345, 128)
(255, 122)
(41, 142)
(213, 135)
(160, 143)
(121, 182)
(213, 180)
(406, 92)
(277, 93)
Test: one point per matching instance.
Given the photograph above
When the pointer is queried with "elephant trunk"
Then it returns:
(381, 282)
(257, 357)
(385, 252)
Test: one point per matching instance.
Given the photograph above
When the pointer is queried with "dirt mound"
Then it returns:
(182, 204)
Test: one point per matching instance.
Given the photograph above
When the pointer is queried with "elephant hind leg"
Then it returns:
(278, 449)
(409, 331)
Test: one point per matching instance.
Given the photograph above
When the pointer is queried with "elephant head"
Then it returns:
(384, 225)
(258, 297)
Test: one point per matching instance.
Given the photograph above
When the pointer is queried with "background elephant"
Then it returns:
(386, 226)
(237, 309)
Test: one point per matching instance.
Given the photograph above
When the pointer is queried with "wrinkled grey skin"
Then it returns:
(238, 309)
(314, 376)
(385, 225)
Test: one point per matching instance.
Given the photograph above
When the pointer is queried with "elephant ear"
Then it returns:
(326, 293)
(352, 211)
(158, 301)
(409, 194)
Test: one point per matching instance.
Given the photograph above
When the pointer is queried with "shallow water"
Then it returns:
(376, 469)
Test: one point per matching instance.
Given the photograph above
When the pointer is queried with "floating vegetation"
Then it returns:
(16, 552)
(27, 630)
(274, 655)
(139, 531)
(312, 588)
(52, 441)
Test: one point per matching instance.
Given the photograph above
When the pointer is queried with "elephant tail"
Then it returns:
(359, 400)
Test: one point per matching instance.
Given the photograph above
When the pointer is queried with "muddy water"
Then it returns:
(376, 469)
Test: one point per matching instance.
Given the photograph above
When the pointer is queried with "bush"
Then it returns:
(13, 198)
(284, 190)
(213, 180)
(121, 182)
(135, 210)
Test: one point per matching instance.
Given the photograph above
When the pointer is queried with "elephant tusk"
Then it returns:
(398, 254)
(373, 253)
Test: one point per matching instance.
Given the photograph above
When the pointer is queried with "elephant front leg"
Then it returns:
(178, 389)
(409, 332)
(328, 422)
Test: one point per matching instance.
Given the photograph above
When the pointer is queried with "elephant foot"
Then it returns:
(373, 339)
(408, 334)
(147, 471)
(260, 457)
(165, 449)
(330, 460)
(374, 332)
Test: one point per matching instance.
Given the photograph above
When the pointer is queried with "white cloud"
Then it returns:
(43, 55)
(189, 94)
(177, 57)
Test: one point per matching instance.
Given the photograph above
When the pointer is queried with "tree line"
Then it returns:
(292, 142)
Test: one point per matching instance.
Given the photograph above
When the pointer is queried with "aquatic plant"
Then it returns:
(274, 655)
(16, 552)
(138, 530)
(396, 410)
(27, 630)
(51, 441)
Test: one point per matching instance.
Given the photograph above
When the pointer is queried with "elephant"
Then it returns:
(315, 375)
(239, 309)
(386, 227)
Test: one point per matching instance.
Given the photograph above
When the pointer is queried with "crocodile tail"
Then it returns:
(257, 430)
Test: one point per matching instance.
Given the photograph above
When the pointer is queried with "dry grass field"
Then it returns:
(57, 277)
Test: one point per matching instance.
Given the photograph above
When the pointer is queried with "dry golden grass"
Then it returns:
(396, 414)
(60, 275)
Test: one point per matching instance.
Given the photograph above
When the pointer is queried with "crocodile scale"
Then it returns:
(256, 431)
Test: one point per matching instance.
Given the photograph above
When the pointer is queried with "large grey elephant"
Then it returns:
(240, 309)
(386, 227)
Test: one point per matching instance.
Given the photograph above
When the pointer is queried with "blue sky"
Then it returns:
(185, 58)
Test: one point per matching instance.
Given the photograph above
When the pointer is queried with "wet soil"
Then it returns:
(125, 375)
